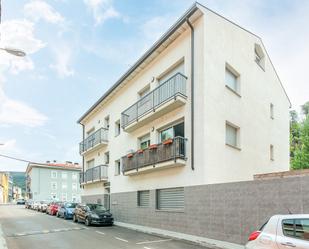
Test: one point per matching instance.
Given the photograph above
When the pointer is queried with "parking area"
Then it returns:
(24, 228)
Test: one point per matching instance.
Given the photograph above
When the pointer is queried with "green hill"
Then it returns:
(19, 179)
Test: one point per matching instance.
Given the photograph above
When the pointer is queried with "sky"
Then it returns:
(77, 49)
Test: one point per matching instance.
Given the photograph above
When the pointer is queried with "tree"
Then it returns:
(305, 108)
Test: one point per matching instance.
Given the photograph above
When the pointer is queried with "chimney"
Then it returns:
(47, 161)
(55, 161)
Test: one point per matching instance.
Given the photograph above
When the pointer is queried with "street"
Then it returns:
(24, 229)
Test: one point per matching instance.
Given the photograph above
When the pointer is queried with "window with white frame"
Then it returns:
(232, 79)
(90, 164)
(64, 186)
(53, 185)
(271, 111)
(271, 152)
(176, 130)
(117, 167)
(106, 157)
(117, 128)
(74, 186)
(64, 175)
(74, 176)
(231, 135)
(54, 174)
(144, 141)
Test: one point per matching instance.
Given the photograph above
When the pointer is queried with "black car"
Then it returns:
(92, 214)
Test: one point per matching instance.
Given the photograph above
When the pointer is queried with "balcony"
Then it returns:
(95, 174)
(94, 141)
(170, 153)
(165, 98)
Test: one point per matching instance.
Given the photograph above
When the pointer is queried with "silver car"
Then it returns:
(282, 232)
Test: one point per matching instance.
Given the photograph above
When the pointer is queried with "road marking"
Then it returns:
(100, 232)
(45, 231)
(124, 240)
(145, 247)
(152, 241)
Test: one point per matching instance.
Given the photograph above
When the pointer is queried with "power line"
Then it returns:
(15, 158)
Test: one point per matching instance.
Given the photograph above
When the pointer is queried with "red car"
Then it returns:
(53, 207)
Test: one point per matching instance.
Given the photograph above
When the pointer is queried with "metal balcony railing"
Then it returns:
(175, 149)
(92, 140)
(97, 173)
(176, 85)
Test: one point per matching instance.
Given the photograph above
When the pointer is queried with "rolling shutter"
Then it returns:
(170, 199)
(143, 198)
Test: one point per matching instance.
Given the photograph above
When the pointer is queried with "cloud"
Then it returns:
(39, 10)
(102, 10)
(14, 112)
(63, 59)
(18, 34)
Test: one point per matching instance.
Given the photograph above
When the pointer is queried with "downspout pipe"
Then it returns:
(192, 92)
(83, 162)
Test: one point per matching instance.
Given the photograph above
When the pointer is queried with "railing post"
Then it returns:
(100, 172)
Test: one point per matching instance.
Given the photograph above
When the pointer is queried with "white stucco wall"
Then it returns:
(217, 41)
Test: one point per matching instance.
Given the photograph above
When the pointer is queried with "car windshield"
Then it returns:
(70, 205)
(96, 207)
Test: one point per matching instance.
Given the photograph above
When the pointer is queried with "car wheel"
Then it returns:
(74, 218)
(64, 216)
(57, 214)
(87, 222)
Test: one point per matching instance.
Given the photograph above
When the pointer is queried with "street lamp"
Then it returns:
(13, 51)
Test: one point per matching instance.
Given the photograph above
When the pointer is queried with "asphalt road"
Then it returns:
(28, 229)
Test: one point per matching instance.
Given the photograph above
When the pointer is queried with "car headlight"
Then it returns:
(95, 216)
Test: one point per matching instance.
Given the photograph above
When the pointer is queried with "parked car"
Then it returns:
(28, 204)
(53, 208)
(43, 206)
(95, 214)
(21, 201)
(34, 205)
(282, 232)
(66, 210)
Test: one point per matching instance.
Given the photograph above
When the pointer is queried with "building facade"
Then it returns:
(204, 105)
(53, 181)
(4, 187)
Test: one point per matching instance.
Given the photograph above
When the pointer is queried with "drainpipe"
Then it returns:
(192, 93)
(83, 162)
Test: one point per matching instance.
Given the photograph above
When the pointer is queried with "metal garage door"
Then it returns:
(170, 199)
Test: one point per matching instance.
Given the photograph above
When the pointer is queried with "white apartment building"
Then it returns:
(204, 105)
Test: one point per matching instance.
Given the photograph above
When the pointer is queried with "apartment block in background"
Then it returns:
(204, 105)
(53, 181)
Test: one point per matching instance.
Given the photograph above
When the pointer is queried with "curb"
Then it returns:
(202, 241)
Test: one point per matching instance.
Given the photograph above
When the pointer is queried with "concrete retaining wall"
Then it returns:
(220, 211)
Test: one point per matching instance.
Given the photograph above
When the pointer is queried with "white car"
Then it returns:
(35, 205)
(282, 232)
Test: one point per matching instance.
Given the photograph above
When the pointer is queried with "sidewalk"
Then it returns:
(210, 243)
(2, 240)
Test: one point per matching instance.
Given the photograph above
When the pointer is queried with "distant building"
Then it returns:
(10, 187)
(4, 187)
(53, 181)
(17, 192)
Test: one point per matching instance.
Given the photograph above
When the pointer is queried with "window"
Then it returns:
(64, 175)
(231, 135)
(90, 131)
(64, 197)
(179, 68)
(143, 198)
(74, 176)
(173, 131)
(90, 164)
(117, 168)
(54, 174)
(298, 228)
(53, 185)
(74, 186)
(106, 122)
(170, 199)
(144, 142)
(144, 91)
(117, 128)
(106, 157)
(271, 152)
(231, 79)
(64, 186)
(259, 56)
(53, 196)
(271, 111)
(74, 198)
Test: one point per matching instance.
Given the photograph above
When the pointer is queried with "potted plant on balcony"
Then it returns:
(140, 151)
(153, 146)
(168, 141)
(130, 155)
